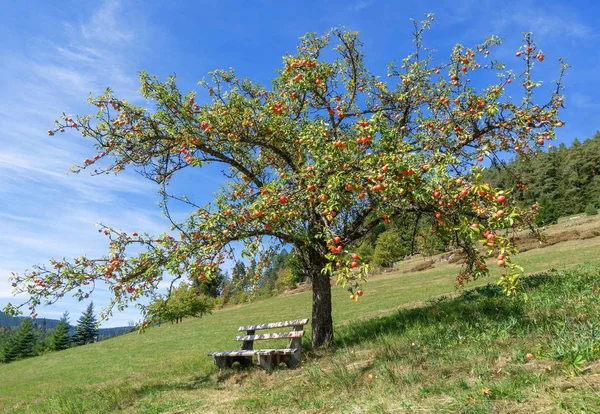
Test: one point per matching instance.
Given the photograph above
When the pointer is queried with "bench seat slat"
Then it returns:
(296, 322)
(238, 352)
(276, 335)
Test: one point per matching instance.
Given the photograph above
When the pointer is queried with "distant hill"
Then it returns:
(45, 324)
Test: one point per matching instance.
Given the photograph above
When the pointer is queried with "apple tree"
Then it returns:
(315, 161)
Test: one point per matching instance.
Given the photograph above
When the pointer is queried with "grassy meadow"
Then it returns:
(412, 343)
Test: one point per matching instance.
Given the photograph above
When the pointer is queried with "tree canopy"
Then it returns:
(315, 161)
(184, 301)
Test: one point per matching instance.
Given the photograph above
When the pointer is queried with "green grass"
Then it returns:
(469, 354)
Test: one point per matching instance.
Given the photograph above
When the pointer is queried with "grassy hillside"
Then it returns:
(470, 352)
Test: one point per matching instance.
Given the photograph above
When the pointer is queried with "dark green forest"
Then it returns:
(566, 179)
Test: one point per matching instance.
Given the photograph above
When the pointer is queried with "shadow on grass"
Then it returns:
(482, 306)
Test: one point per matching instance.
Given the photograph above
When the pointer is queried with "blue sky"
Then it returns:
(53, 54)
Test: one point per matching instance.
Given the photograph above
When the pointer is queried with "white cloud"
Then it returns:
(582, 101)
(105, 27)
(43, 211)
(360, 5)
(555, 22)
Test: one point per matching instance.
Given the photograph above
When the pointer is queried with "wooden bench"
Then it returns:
(267, 358)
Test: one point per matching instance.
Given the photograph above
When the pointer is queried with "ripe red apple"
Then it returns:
(501, 198)
(283, 199)
(337, 239)
(354, 264)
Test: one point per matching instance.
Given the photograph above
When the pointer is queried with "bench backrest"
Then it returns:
(296, 322)
(295, 335)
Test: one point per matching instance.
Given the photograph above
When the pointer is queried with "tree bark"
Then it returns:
(312, 260)
(322, 322)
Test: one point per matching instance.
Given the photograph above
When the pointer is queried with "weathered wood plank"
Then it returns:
(241, 352)
(275, 335)
(296, 322)
(295, 343)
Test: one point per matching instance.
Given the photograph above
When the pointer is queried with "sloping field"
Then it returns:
(166, 369)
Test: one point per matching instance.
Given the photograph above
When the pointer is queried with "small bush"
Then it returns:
(388, 249)
(365, 251)
(285, 280)
(591, 210)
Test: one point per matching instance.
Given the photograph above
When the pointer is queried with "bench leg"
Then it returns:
(223, 362)
(267, 362)
(292, 361)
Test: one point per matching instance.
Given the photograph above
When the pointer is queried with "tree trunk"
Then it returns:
(322, 323)
(312, 260)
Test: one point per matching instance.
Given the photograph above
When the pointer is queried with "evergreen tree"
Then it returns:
(86, 330)
(9, 349)
(211, 287)
(546, 214)
(60, 337)
(293, 264)
(25, 339)
(239, 277)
